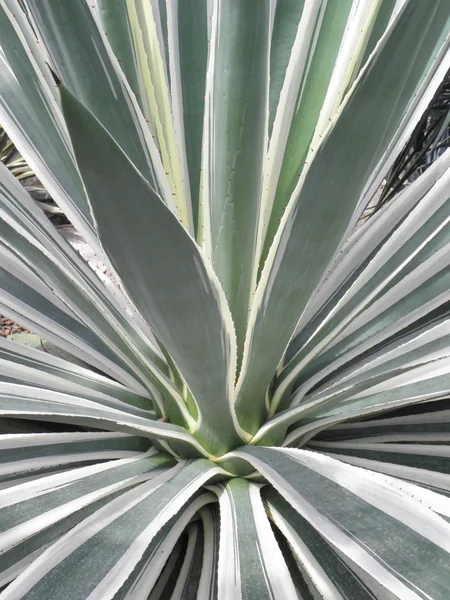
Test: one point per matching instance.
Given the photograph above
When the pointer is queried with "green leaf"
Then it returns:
(382, 20)
(190, 34)
(423, 463)
(30, 504)
(187, 583)
(211, 539)
(33, 239)
(67, 277)
(195, 325)
(321, 567)
(313, 58)
(159, 111)
(83, 61)
(237, 101)
(36, 513)
(30, 454)
(24, 374)
(413, 447)
(115, 21)
(378, 528)
(166, 581)
(250, 562)
(34, 403)
(38, 314)
(378, 257)
(162, 548)
(159, 8)
(133, 521)
(286, 21)
(367, 238)
(32, 362)
(413, 299)
(328, 196)
(394, 427)
(423, 346)
(30, 114)
(400, 387)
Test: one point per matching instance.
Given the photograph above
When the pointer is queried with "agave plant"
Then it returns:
(264, 410)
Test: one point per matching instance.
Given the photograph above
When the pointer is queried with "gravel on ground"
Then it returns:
(7, 327)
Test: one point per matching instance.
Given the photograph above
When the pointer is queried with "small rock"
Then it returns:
(8, 322)
(6, 332)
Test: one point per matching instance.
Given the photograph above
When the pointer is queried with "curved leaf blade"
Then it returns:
(175, 289)
(287, 283)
